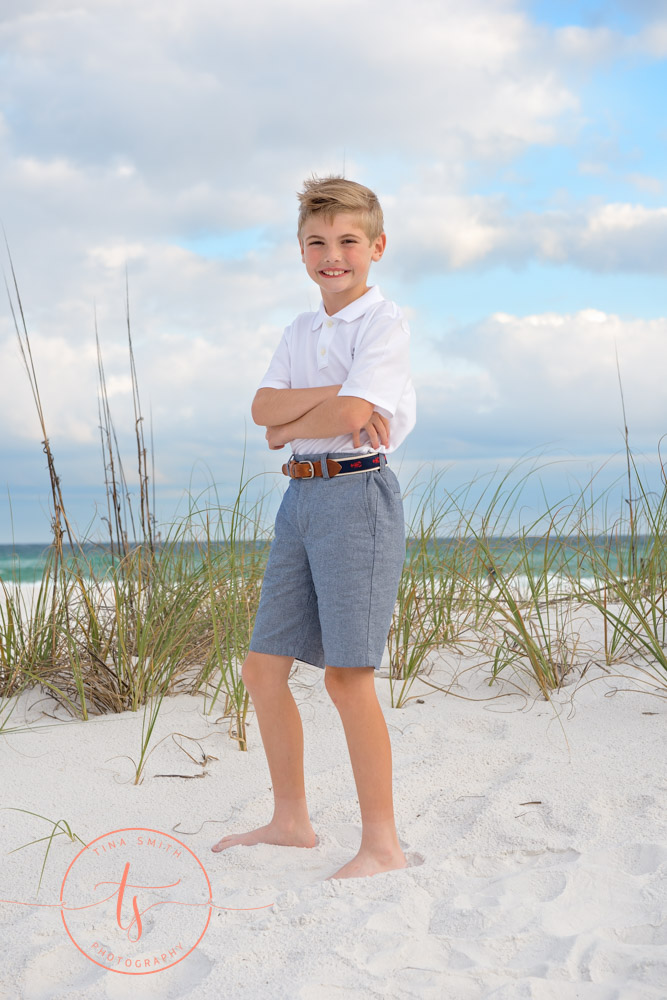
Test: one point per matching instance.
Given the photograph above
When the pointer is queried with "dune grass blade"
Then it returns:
(234, 583)
(58, 827)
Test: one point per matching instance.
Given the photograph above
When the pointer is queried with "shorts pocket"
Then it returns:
(369, 494)
(391, 480)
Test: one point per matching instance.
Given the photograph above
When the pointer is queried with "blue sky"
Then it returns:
(520, 158)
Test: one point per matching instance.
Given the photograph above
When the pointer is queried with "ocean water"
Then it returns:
(26, 563)
(23, 563)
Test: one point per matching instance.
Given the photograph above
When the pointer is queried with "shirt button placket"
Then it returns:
(323, 343)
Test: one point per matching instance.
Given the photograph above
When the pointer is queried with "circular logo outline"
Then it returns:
(142, 829)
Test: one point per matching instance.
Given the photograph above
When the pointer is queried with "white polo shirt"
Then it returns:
(365, 347)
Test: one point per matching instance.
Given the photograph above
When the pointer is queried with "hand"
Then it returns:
(274, 435)
(377, 429)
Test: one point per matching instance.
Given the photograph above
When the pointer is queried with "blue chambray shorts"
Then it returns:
(333, 570)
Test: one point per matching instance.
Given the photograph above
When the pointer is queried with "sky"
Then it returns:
(518, 150)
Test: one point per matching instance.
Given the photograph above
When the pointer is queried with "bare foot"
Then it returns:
(271, 834)
(366, 863)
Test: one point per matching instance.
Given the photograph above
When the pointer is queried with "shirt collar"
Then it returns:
(355, 309)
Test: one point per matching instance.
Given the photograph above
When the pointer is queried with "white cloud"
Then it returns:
(451, 232)
(582, 47)
(653, 39)
(202, 336)
(587, 46)
(623, 237)
(547, 381)
(65, 370)
(213, 93)
(650, 185)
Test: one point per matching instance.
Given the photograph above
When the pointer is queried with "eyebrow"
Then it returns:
(345, 236)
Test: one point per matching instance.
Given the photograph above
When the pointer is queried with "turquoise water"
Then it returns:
(26, 563)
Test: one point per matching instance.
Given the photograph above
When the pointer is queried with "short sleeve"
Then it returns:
(381, 366)
(279, 373)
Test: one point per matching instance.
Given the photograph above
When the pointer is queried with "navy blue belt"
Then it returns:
(336, 467)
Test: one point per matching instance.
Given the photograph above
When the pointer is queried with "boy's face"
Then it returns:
(338, 255)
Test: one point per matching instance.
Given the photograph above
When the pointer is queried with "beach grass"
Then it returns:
(178, 615)
(58, 827)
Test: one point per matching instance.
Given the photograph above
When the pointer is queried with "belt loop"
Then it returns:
(383, 460)
(324, 466)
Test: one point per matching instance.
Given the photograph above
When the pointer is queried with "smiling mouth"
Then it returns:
(331, 273)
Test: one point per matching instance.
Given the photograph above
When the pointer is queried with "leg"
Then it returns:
(265, 677)
(352, 690)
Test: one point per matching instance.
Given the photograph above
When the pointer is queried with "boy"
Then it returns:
(338, 389)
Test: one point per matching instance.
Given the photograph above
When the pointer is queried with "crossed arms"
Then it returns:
(316, 412)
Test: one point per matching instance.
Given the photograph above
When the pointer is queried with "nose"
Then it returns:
(333, 253)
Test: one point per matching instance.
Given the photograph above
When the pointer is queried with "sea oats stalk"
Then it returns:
(59, 522)
(637, 611)
(58, 827)
(420, 612)
(234, 584)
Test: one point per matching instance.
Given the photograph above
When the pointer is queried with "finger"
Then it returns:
(381, 430)
(356, 439)
(386, 422)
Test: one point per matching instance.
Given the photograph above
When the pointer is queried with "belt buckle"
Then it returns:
(306, 462)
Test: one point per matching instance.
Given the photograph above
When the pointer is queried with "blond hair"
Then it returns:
(327, 196)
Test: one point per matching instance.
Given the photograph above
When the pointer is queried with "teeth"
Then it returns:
(334, 274)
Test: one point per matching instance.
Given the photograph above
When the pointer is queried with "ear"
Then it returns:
(379, 246)
(301, 247)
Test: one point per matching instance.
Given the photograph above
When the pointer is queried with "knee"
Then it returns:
(261, 672)
(250, 672)
(342, 683)
(332, 684)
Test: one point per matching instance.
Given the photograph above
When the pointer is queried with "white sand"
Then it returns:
(561, 898)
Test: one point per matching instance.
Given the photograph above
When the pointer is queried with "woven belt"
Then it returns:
(344, 466)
